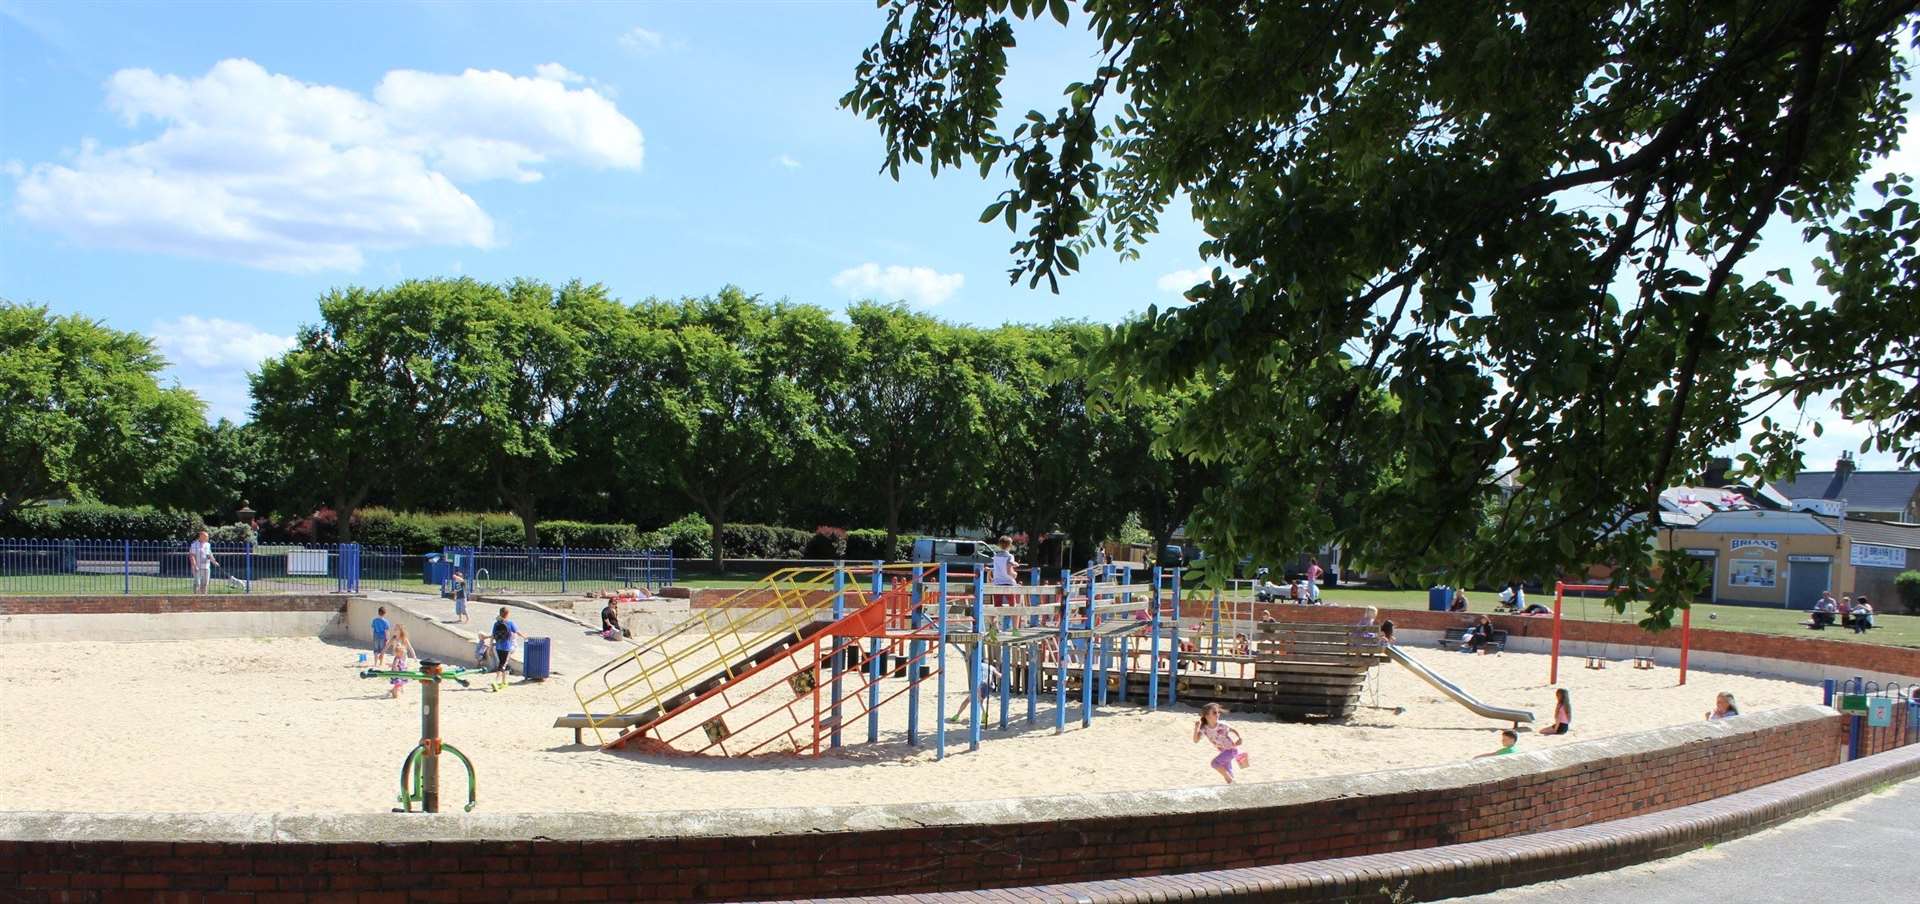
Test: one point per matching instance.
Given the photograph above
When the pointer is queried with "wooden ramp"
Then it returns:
(1295, 670)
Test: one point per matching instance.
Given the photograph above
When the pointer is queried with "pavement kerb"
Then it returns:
(1486, 866)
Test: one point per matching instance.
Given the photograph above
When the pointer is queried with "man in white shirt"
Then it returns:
(200, 557)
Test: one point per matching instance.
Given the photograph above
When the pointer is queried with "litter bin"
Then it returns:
(537, 659)
(435, 569)
(1439, 598)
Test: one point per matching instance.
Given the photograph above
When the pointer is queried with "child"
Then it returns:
(504, 631)
(1723, 708)
(1225, 739)
(1003, 564)
(459, 596)
(402, 650)
(380, 626)
(1508, 740)
(1562, 713)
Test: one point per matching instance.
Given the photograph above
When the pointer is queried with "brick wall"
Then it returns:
(160, 605)
(1501, 801)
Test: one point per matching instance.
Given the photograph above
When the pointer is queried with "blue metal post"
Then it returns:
(563, 568)
(915, 649)
(126, 567)
(1855, 725)
(1005, 652)
(249, 554)
(1060, 660)
(1173, 672)
(873, 666)
(940, 689)
(1826, 692)
(976, 665)
(1153, 651)
(839, 665)
(1086, 662)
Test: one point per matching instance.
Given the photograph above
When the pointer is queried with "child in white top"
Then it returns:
(1224, 739)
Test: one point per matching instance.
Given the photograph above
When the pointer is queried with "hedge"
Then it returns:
(763, 541)
(588, 535)
(868, 545)
(423, 532)
(690, 537)
(90, 521)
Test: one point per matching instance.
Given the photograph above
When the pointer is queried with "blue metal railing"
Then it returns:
(163, 568)
(552, 569)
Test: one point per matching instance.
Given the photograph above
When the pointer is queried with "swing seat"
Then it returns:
(1595, 662)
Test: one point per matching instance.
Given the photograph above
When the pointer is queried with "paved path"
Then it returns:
(575, 652)
(1858, 851)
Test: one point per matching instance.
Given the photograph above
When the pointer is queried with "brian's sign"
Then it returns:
(1736, 545)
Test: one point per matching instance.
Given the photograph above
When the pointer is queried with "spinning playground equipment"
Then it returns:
(423, 761)
(792, 664)
(1642, 653)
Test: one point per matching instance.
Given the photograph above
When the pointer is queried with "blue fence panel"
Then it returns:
(559, 569)
(72, 567)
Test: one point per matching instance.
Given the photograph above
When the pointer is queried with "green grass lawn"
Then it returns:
(1894, 630)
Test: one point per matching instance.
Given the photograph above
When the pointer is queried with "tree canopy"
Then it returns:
(1493, 239)
(86, 415)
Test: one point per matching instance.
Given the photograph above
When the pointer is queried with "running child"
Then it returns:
(1226, 740)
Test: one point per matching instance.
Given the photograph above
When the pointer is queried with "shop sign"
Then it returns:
(1753, 544)
(1879, 556)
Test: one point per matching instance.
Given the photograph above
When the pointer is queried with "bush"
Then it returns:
(690, 537)
(231, 533)
(411, 531)
(763, 541)
(91, 521)
(868, 545)
(587, 535)
(826, 543)
(1907, 587)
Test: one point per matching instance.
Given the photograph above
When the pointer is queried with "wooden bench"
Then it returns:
(1454, 637)
(580, 721)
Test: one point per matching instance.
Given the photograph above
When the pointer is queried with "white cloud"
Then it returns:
(1179, 281)
(554, 72)
(787, 160)
(642, 40)
(917, 285)
(268, 171)
(210, 342)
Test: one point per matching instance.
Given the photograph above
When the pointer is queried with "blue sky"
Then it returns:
(203, 172)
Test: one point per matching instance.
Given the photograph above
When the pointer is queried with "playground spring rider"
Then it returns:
(424, 759)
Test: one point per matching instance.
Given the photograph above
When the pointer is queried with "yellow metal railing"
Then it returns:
(715, 644)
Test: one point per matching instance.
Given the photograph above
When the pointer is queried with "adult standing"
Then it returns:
(504, 631)
(200, 559)
(1314, 571)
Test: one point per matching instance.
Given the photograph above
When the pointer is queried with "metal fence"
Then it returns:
(161, 567)
(534, 570)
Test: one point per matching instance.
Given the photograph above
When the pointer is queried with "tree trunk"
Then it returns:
(343, 524)
(528, 521)
(717, 517)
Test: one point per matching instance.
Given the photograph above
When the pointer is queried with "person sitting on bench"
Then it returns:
(1477, 636)
(1862, 615)
(1825, 611)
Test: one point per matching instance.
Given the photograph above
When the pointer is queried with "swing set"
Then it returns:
(1642, 653)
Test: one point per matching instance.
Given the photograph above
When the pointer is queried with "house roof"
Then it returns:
(1873, 491)
(1878, 533)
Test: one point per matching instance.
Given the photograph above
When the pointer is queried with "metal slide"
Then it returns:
(1459, 696)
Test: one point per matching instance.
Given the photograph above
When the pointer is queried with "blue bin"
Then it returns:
(537, 658)
(1439, 598)
(435, 569)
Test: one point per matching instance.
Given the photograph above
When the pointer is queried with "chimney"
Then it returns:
(1716, 474)
(1844, 466)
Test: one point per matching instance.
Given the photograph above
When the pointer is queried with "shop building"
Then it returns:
(1769, 558)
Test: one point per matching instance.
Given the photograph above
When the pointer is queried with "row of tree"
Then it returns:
(561, 402)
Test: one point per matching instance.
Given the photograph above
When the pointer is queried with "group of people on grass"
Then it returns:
(1850, 611)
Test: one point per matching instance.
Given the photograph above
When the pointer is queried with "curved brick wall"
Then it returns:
(924, 847)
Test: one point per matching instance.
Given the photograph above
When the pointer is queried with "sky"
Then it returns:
(203, 173)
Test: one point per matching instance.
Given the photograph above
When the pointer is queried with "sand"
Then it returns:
(285, 725)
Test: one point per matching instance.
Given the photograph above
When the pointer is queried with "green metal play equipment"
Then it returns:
(423, 761)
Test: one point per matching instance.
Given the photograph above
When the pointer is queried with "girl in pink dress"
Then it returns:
(1224, 739)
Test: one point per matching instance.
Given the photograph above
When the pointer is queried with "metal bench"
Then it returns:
(1455, 637)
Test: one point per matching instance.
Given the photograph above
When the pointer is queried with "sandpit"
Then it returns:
(285, 725)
